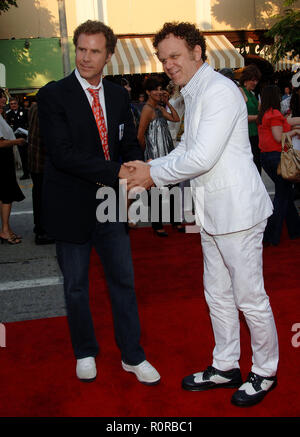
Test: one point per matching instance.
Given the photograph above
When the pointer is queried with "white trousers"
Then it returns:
(233, 281)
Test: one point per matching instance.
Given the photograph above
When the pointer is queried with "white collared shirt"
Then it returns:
(189, 91)
(85, 85)
(193, 84)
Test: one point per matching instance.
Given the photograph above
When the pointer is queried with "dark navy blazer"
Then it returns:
(75, 165)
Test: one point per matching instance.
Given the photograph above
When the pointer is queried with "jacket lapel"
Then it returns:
(78, 99)
(110, 115)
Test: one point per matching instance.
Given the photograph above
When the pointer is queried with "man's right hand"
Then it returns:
(125, 172)
(20, 141)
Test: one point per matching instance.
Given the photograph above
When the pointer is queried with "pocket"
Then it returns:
(220, 184)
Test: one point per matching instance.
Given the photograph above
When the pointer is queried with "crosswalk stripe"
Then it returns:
(31, 283)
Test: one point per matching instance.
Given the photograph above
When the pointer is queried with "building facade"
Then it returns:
(31, 43)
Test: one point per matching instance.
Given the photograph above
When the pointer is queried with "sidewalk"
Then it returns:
(31, 282)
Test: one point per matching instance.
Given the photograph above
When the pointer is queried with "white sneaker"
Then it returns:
(86, 369)
(144, 372)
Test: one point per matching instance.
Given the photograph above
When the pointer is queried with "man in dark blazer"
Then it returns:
(76, 165)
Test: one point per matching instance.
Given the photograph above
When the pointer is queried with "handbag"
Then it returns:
(289, 164)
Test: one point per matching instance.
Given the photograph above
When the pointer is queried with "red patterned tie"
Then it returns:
(99, 117)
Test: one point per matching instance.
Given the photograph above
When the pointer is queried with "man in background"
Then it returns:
(17, 118)
(36, 160)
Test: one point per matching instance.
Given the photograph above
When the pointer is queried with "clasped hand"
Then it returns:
(137, 174)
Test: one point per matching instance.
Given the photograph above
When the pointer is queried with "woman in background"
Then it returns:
(295, 112)
(271, 125)
(9, 188)
(249, 80)
(153, 133)
(177, 101)
(294, 108)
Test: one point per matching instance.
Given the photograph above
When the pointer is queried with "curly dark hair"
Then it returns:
(2, 94)
(91, 27)
(186, 31)
(250, 72)
(151, 83)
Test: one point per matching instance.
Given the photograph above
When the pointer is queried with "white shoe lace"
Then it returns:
(145, 365)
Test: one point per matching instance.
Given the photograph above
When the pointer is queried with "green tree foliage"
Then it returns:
(6, 4)
(286, 32)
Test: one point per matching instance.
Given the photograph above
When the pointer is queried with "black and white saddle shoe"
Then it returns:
(253, 390)
(212, 378)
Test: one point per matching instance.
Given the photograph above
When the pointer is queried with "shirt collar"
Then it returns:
(84, 83)
(193, 83)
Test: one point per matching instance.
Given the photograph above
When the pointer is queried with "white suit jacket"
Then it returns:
(215, 153)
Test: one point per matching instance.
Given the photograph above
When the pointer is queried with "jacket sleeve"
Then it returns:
(65, 157)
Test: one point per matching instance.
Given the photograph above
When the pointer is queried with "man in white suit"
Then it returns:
(232, 207)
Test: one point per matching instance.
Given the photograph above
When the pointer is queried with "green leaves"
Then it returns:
(286, 33)
(6, 4)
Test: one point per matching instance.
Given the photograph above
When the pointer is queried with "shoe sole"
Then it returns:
(211, 387)
(253, 402)
(140, 380)
(87, 379)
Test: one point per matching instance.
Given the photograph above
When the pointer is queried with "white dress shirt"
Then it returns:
(85, 85)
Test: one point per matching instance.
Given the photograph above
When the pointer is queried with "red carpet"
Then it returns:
(37, 368)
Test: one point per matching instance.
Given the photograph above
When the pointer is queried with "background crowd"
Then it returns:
(158, 112)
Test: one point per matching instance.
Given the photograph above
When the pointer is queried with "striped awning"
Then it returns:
(288, 63)
(221, 53)
(137, 56)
